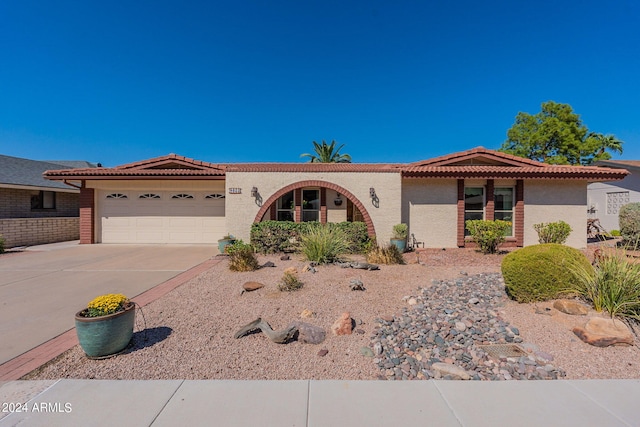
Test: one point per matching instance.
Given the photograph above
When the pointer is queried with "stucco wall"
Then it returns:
(550, 201)
(597, 197)
(241, 209)
(429, 207)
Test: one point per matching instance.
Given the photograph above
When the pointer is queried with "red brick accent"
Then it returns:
(490, 210)
(322, 184)
(460, 213)
(87, 209)
(323, 205)
(297, 196)
(519, 213)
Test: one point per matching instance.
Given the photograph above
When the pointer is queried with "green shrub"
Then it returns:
(542, 272)
(613, 285)
(289, 281)
(552, 232)
(286, 236)
(385, 255)
(1, 244)
(358, 240)
(488, 234)
(324, 243)
(276, 236)
(241, 257)
(615, 233)
(629, 219)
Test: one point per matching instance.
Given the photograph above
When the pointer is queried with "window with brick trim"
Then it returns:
(503, 198)
(43, 200)
(473, 204)
(285, 210)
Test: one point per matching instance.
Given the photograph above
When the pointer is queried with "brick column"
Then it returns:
(273, 211)
(460, 213)
(519, 214)
(87, 209)
(490, 207)
(298, 199)
(323, 205)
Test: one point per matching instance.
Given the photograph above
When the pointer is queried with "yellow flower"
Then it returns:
(106, 304)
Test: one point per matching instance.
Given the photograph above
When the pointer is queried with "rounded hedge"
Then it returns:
(542, 272)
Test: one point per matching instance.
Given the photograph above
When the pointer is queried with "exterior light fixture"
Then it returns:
(338, 200)
(372, 192)
(254, 192)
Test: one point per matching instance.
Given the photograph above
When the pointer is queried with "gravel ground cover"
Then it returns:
(189, 333)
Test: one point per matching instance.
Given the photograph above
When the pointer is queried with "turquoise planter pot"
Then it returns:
(105, 335)
(401, 244)
(223, 243)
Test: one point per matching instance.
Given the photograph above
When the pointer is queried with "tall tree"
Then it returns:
(327, 153)
(556, 135)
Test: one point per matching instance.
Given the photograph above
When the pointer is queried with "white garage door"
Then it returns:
(161, 217)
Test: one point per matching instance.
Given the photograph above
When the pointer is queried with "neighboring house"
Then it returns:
(34, 210)
(173, 199)
(606, 198)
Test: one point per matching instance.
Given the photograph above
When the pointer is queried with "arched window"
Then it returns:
(116, 196)
(215, 196)
(149, 196)
(182, 196)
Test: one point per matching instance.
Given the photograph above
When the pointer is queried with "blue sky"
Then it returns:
(116, 82)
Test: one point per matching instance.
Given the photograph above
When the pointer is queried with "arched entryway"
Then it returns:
(319, 213)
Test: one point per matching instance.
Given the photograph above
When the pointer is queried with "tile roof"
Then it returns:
(510, 172)
(475, 163)
(626, 164)
(26, 172)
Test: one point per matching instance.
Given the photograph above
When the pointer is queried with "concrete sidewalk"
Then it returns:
(321, 403)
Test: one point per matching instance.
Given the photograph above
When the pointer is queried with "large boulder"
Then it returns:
(602, 332)
(308, 333)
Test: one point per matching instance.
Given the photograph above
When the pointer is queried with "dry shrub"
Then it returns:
(385, 255)
(290, 281)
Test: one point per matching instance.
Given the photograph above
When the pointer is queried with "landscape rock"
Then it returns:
(366, 352)
(343, 326)
(570, 307)
(323, 352)
(456, 372)
(308, 333)
(267, 264)
(252, 286)
(602, 332)
(285, 258)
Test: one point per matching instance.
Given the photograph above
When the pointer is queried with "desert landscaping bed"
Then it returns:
(190, 332)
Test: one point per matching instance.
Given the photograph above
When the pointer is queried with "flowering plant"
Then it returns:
(106, 304)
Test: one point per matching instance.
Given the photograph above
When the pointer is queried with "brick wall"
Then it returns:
(37, 231)
(16, 203)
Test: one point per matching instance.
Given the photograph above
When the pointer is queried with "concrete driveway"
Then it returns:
(42, 289)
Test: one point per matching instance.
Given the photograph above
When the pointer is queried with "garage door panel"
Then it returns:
(164, 220)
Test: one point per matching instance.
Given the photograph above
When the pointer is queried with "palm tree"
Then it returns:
(326, 153)
(607, 142)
